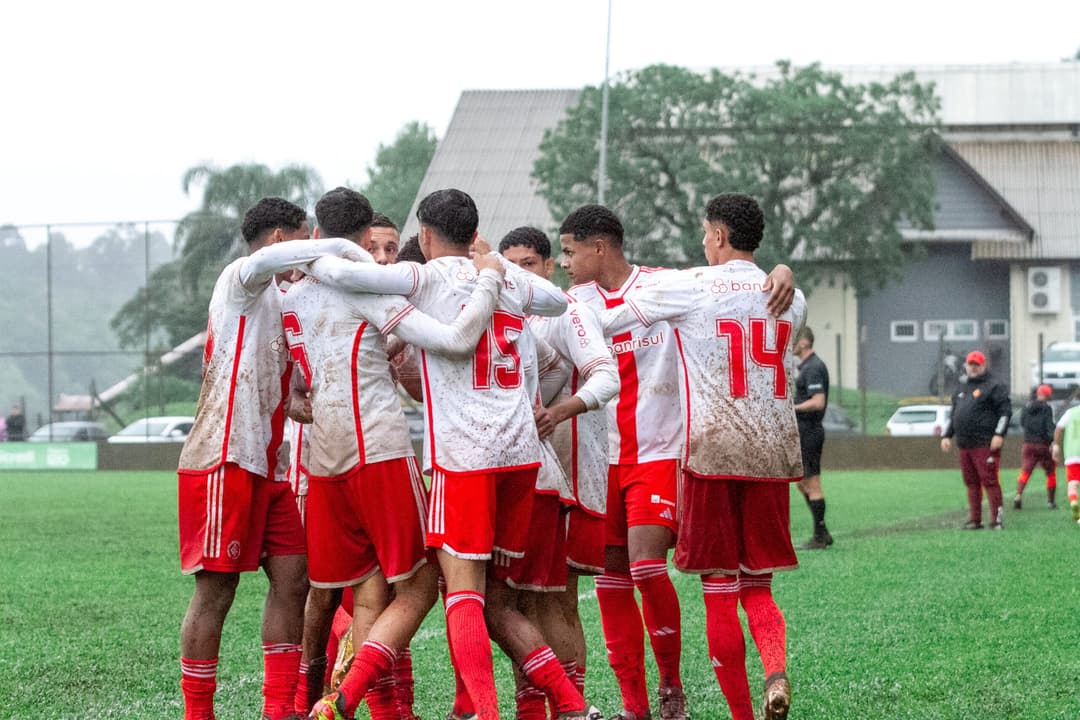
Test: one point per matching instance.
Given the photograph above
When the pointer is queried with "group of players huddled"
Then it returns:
(584, 432)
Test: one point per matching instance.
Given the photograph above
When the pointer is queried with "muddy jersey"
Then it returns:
(583, 367)
(338, 341)
(644, 420)
(240, 415)
(736, 368)
(478, 412)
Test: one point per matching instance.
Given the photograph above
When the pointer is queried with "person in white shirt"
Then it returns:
(742, 446)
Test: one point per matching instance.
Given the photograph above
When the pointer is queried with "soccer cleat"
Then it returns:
(827, 537)
(814, 543)
(969, 525)
(997, 526)
(331, 707)
(1018, 504)
(627, 715)
(673, 703)
(467, 716)
(1051, 505)
(590, 713)
(777, 697)
(1075, 506)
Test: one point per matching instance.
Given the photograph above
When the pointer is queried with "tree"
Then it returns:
(211, 234)
(835, 166)
(399, 168)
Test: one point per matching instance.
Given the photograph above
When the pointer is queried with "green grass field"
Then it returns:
(905, 617)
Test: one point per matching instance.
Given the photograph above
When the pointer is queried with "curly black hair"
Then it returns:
(527, 237)
(380, 220)
(343, 213)
(743, 217)
(268, 215)
(590, 221)
(410, 251)
(451, 213)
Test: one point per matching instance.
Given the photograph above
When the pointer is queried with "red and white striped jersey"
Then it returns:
(478, 412)
(645, 422)
(736, 368)
(240, 416)
(338, 341)
(585, 368)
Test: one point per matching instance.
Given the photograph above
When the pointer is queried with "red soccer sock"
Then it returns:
(281, 670)
(543, 670)
(530, 702)
(727, 649)
(1021, 482)
(309, 685)
(624, 637)
(341, 624)
(403, 683)
(660, 606)
(472, 650)
(765, 620)
(198, 681)
(463, 704)
(382, 699)
(1051, 481)
(1074, 490)
(570, 667)
(372, 661)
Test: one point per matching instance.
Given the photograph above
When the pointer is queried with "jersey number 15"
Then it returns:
(496, 353)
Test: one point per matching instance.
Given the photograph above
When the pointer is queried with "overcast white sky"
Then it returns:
(107, 103)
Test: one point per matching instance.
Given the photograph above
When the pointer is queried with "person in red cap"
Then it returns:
(1037, 419)
(980, 419)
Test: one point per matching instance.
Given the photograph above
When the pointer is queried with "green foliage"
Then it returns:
(905, 618)
(399, 168)
(835, 166)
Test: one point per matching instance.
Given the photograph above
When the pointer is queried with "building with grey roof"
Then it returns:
(1002, 267)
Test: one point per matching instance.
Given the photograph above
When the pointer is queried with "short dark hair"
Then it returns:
(268, 215)
(410, 251)
(527, 237)
(451, 213)
(593, 221)
(805, 334)
(380, 220)
(743, 217)
(343, 213)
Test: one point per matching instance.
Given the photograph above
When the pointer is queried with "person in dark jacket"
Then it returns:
(1037, 419)
(980, 419)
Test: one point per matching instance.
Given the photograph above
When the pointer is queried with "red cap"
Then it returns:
(1044, 390)
(975, 358)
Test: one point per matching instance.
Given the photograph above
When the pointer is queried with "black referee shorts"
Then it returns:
(811, 441)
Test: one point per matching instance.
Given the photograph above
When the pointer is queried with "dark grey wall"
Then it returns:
(944, 285)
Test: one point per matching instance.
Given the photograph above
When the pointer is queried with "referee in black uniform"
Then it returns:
(811, 399)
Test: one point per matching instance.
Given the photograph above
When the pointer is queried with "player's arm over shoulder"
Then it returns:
(402, 279)
(543, 297)
(258, 268)
(668, 296)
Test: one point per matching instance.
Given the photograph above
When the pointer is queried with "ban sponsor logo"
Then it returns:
(723, 287)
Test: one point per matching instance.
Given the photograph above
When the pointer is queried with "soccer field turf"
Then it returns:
(905, 617)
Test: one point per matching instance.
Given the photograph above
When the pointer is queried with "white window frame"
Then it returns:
(895, 337)
(997, 336)
(931, 331)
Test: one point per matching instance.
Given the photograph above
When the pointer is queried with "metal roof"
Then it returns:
(490, 146)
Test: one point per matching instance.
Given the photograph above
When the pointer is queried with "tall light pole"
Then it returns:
(602, 174)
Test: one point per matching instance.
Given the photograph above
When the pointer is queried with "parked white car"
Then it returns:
(926, 420)
(1061, 368)
(155, 430)
(69, 431)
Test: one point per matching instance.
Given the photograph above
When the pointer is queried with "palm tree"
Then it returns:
(210, 235)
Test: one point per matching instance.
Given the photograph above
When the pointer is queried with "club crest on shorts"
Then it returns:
(233, 550)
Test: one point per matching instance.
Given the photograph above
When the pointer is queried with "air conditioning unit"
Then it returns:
(1043, 290)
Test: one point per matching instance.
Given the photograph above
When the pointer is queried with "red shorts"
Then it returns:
(585, 540)
(369, 519)
(731, 526)
(543, 567)
(462, 517)
(231, 518)
(643, 494)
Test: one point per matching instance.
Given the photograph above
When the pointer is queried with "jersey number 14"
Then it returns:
(770, 358)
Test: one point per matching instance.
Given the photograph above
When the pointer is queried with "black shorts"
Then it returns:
(811, 441)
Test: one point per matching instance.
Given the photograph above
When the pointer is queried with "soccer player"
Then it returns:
(741, 443)
(366, 500)
(811, 399)
(383, 240)
(1066, 450)
(583, 379)
(645, 431)
(1037, 419)
(233, 516)
(468, 403)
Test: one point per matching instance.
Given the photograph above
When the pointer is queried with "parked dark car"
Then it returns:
(838, 422)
